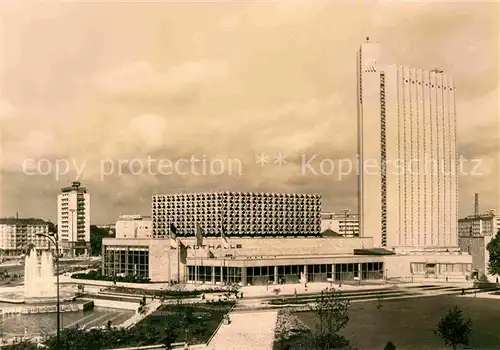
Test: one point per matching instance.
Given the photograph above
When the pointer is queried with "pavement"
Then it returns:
(246, 331)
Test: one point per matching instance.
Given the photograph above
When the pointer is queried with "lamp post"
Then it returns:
(55, 240)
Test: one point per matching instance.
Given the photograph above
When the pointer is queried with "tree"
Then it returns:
(390, 346)
(96, 236)
(52, 227)
(332, 312)
(494, 251)
(454, 329)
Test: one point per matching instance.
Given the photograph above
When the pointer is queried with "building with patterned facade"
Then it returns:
(407, 145)
(242, 214)
(17, 234)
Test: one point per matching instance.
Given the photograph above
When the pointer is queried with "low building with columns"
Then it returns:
(257, 261)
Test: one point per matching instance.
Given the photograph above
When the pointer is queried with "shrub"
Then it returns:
(88, 306)
(98, 276)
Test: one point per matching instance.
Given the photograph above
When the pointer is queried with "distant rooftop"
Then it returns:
(333, 215)
(480, 216)
(75, 186)
(22, 221)
(133, 217)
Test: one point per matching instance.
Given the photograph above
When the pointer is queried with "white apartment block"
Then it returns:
(73, 220)
(344, 224)
(479, 225)
(408, 183)
(242, 214)
(134, 226)
(17, 235)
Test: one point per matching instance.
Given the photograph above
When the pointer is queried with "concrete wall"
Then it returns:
(476, 247)
(288, 246)
(133, 228)
(399, 266)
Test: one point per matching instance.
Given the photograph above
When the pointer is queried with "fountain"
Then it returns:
(39, 283)
(39, 279)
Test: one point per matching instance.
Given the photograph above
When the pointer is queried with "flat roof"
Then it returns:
(23, 221)
(373, 251)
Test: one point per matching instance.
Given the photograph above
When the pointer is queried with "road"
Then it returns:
(64, 265)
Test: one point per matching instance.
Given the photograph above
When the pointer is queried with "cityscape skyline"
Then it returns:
(313, 111)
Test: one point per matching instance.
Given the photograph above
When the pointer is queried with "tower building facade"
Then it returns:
(408, 180)
(73, 220)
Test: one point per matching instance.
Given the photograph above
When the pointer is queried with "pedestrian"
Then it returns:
(463, 291)
(497, 279)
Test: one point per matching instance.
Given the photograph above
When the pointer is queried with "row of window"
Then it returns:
(285, 274)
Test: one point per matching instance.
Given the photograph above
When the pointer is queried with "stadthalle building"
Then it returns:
(408, 226)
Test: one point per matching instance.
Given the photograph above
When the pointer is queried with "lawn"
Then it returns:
(201, 320)
(408, 323)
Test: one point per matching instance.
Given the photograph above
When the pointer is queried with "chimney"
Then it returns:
(476, 204)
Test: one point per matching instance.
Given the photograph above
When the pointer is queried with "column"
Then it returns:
(275, 274)
(127, 250)
(213, 274)
(243, 276)
(222, 273)
(360, 272)
(333, 272)
(103, 259)
(305, 273)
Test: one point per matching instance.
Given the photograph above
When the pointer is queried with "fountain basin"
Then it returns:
(16, 295)
(41, 308)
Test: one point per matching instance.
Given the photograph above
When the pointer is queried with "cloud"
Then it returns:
(149, 129)
(175, 80)
(7, 111)
(140, 79)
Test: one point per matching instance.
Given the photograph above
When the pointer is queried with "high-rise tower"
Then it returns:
(408, 181)
(73, 220)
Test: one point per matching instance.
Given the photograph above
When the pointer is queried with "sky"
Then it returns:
(87, 86)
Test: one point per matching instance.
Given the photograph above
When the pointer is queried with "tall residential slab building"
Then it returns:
(73, 220)
(408, 180)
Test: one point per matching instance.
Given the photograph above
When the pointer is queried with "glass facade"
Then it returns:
(262, 275)
(212, 274)
(319, 273)
(126, 261)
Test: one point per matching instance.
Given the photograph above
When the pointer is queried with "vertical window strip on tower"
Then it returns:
(405, 139)
(383, 160)
(418, 157)
(399, 80)
(424, 128)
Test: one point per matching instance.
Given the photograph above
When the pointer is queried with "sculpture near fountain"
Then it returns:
(39, 276)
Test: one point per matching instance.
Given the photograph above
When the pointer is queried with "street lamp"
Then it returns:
(55, 240)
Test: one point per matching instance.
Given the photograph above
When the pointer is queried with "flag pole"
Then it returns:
(222, 250)
(195, 262)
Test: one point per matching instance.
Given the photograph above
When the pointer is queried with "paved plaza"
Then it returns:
(246, 331)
